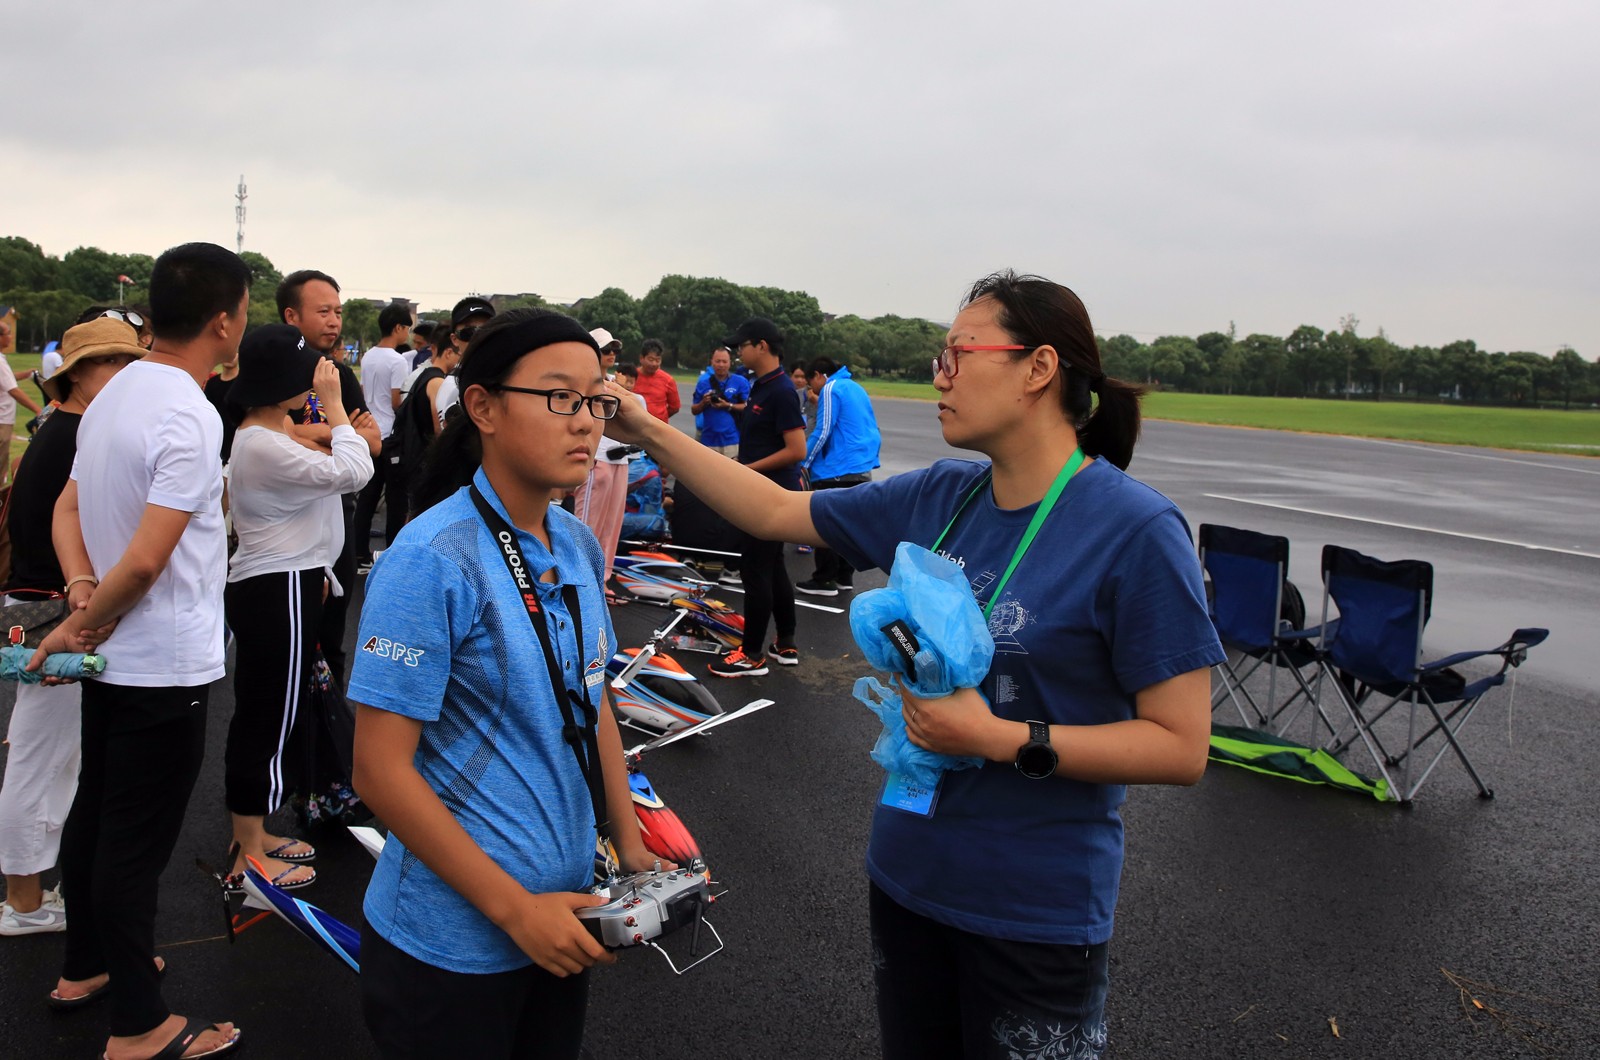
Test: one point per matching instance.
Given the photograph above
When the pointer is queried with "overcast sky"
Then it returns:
(1430, 167)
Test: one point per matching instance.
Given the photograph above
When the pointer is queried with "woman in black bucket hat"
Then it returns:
(286, 512)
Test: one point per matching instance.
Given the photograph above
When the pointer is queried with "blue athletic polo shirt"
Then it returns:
(1107, 601)
(445, 639)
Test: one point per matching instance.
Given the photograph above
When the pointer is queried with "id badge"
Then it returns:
(899, 793)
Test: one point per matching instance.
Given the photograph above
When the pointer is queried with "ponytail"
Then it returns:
(1112, 428)
(448, 464)
(1036, 312)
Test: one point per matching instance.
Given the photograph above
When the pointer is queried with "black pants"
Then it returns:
(768, 594)
(830, 566)
(415, 1010)
(947, 994)
(330, 630)
(274, 623)
(141, 754)
(388, 482)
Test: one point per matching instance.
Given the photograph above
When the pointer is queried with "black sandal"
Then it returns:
(192, 1029)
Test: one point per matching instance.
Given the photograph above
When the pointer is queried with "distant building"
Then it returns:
(381, 303)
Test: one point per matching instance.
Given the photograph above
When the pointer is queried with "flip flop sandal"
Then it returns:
(235, 884)
(193, 1029)
(308, 854)
(67, 1004)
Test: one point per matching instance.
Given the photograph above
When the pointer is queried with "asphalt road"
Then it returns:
(1255, 914)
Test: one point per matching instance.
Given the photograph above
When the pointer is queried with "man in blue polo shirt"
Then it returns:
(718, 398)
(772, 440)
(841, 451)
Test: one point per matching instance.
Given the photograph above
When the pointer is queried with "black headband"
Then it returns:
(490, 357)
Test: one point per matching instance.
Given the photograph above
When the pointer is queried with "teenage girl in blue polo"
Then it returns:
(472, 946)
(992, 904)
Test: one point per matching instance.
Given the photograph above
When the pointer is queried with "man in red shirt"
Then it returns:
(659, 390)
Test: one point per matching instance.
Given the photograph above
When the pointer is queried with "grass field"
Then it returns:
(1538, 430)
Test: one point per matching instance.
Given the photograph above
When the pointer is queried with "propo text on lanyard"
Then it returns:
(583, 739)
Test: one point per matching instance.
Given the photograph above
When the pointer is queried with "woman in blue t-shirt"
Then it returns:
(484, 637)
(992, 899)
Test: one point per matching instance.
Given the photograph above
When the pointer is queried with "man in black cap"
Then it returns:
(772, 440)
(468, 316)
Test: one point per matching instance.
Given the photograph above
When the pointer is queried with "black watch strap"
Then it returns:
(1036, 759)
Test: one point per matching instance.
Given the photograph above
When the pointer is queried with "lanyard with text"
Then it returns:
(1049, 502)
(584, 740)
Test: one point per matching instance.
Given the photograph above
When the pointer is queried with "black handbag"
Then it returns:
(32, 617)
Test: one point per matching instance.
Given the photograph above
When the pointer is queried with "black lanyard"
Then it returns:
(584, 740)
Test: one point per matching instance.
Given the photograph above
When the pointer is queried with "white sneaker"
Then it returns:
(45, 918)
(55, 899)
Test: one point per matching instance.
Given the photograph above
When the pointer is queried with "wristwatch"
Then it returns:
(1036, 759)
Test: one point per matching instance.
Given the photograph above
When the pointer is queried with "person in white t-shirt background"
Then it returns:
(140, 522)
(287, 513)
(10, 396)
(383, 376)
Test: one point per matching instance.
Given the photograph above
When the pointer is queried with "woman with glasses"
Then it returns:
(992, 899)
(484, 639)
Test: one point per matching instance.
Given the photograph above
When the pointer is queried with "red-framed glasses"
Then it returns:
(946, 361)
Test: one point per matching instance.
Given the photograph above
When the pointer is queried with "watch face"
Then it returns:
(1036, 761)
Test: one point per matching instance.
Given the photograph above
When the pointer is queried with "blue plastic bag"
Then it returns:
(925, 627)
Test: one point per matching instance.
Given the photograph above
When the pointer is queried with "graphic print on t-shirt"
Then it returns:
(1007, 619)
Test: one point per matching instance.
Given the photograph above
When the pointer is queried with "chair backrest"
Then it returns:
(1247, 571)
(1383, 608)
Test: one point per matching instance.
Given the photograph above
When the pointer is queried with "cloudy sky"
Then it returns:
(1431, 167)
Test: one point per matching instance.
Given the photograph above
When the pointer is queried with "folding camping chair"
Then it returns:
(1372, 655)
(1249, 585)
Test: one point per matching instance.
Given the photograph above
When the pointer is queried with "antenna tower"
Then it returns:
(238, 211)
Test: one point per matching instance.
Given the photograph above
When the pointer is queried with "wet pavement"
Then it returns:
(1255, 913)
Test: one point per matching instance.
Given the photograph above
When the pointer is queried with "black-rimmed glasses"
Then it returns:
(946, 361)
(568, 402)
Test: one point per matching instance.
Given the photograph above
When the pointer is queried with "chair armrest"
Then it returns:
(1513, 651)
(1311, 632)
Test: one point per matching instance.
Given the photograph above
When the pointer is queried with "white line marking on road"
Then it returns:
(1404, 526)
(1440, 448)
(1449, 451)
(797, 603)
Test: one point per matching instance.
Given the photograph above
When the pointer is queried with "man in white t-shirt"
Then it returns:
(383, 376)
(140, 537)
(50, 363)
(10, 394)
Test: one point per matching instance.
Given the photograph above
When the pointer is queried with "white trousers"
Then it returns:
(41, 776)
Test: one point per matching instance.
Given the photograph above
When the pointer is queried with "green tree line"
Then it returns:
(691, 315)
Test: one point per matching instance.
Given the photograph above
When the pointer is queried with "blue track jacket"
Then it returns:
(844, 440)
